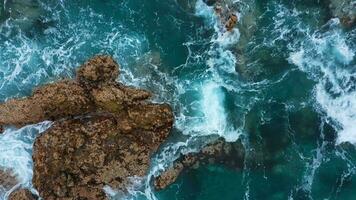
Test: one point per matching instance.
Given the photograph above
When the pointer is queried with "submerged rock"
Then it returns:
(22, 194)
(24, 13)
(229, 154)
(345, 10)
(104, 132)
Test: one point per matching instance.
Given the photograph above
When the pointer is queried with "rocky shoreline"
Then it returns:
(103, 132)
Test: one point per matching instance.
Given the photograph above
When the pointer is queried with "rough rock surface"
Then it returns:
(7, 180)
(52, 101)
(103, 134)
(345, 10)
(229, 154)
(22, 194)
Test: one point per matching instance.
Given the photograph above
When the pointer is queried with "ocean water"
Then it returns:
(283, 82)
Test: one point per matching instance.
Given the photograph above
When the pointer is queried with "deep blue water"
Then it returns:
(284, 82)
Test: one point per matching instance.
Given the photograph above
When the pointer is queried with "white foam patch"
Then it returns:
(16, 150)
(215, 119)
(328, 60)
(342, 109)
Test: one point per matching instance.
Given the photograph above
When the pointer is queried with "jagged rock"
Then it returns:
(99, 151)
(22, 194)
(229, 154)
(345, 10)
(98, 70)
(103, 134)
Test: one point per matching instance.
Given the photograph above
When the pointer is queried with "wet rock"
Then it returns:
(98, 70)
(226, 11)
(229, 154)
(50, 102)
(231, 22)
(345, 10)
(103, 132)
(22, 194)
(7, 180)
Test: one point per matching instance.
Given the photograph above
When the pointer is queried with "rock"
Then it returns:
(229, 154)
(231, 22)
(345, 10)
(22, 194)
(7, 180)
(99, 150)
(98, 70)
(50, 102)
(103, 132)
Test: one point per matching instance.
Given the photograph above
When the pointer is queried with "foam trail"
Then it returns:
(16, 151)
(328, 59)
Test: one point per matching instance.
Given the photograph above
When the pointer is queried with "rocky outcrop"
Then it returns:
(225, 10)
(229, 154)
(22, 194)
(345, 10)
(103, 134)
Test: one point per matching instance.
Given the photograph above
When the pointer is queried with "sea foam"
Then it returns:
(16, 152)
(328, 59)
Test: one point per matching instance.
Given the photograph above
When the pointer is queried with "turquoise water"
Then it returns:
(283, 82)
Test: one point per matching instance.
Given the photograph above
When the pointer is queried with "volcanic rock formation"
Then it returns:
(104, 132)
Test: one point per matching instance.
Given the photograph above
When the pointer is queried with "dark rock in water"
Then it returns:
(345, 10)
(229, 154)
(7, 180)
(105, 132)
(22, 194)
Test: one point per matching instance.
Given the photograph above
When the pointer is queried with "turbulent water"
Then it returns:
(283, 81)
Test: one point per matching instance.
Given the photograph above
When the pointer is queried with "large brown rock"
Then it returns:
(77, 158)
(103, 132)
(22, 194)
(49, 102)
(229, 154)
